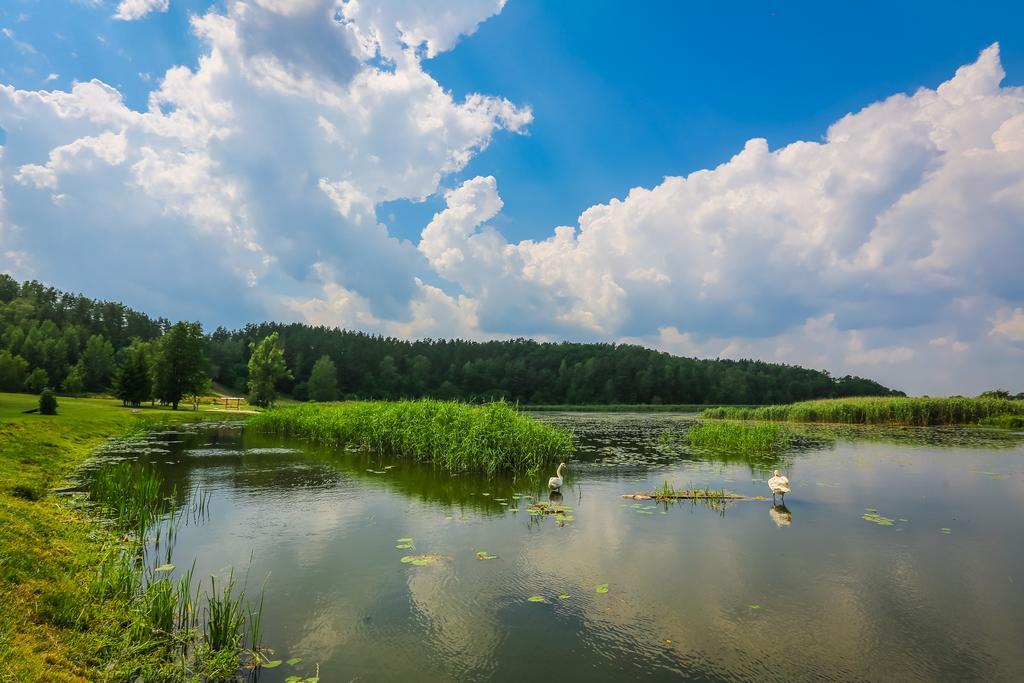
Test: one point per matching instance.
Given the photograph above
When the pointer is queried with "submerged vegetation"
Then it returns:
(454, 436)
(922, 412)
(740, 437)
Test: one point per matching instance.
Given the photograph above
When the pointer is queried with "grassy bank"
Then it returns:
(455, 436)
(623, 407)
(921, 412)
(52, 627)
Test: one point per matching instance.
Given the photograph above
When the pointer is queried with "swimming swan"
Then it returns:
(779, 485)
(555, 482)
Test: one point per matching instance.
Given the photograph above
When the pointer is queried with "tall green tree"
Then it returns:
(36, 381)
(74, 383)
(266, 369)
(323, 380)
(98, 361)
(181, 363)
(133, 383)
(12, 371)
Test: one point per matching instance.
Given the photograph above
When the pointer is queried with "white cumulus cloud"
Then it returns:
(251, 183)
(906, 220)
(257, 171)
(131, 10)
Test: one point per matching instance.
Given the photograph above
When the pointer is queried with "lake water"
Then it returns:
(811, 591)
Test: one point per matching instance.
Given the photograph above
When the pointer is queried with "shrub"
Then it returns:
(47, 403)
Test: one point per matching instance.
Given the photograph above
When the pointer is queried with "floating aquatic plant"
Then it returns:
(420, 560)
(874, 517)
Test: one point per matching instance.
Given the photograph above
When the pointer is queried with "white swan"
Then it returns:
(779, 485)
(555, 482)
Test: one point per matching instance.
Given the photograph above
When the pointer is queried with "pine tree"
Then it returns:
(133, 383)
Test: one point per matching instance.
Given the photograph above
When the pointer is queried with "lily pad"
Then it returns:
(754, 606)
(272, 664)
(484, 555)
(878, 519)
(944, 530)
(293, 661)
(564, 596)
(420, 560)
(404, 540)
(405, 546)
(164, 568)
(537, 598)
(601, 588)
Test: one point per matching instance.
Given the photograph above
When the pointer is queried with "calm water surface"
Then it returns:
(812, 591)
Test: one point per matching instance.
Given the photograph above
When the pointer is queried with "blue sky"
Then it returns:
(402, 169)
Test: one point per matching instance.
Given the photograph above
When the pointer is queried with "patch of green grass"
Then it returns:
(53, 627)
(454, 436)
(921, 412)
(757, 437)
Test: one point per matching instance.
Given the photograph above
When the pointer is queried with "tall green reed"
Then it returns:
(455, 436)
(921, 412)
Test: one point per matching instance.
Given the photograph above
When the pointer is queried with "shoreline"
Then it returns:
(50, 548)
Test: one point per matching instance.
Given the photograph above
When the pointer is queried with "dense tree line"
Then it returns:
(369, 366)
(74, 344)
(51, 339)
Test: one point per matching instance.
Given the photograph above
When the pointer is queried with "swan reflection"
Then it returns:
(781, 515)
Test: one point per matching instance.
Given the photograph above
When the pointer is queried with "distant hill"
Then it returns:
(42, 328)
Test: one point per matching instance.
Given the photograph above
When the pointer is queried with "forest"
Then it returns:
(76, 345)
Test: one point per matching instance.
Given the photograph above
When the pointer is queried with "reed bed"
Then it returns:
(166, 612)
(920, 412)
(759, 437)
(130, 495)
(454, 436)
